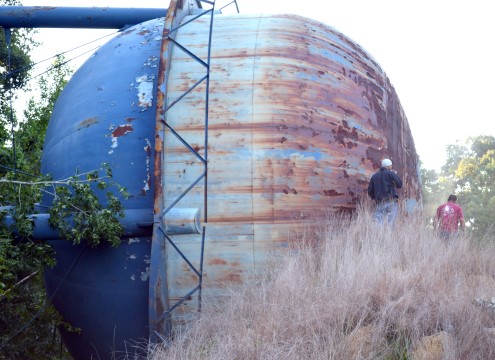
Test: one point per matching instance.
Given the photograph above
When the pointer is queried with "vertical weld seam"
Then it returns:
(252, 136)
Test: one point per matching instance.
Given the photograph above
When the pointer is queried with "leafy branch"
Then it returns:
(78, 214)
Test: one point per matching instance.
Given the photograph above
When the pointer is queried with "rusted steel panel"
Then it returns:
(300, 117)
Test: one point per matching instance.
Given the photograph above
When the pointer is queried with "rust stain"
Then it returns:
(231, 277)
(122, 130)
(88, 122)
(217, 261)
(157, 172)
(331, 193)
(287, 191)
(159, 306)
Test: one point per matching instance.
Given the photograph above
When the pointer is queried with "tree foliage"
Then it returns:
(28, 324)
(27, 321)
(469, 172)
(30, 135)
(80, 217)
(15, 46)
(475, 175)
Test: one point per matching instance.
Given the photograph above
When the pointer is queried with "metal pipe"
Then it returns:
(182, 221)
(137, 222)
(75, 17)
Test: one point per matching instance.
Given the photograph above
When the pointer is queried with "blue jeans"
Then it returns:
(448, 235)
(386, 212)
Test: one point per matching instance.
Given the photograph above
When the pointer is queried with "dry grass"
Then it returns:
(355, 291)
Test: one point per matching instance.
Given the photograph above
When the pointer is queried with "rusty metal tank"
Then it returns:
(299, 118)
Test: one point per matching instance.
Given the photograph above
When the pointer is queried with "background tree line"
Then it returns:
(469, 172)
(27, 322)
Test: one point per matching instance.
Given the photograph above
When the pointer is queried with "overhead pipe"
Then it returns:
(76, 17)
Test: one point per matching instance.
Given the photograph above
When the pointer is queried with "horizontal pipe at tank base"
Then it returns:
(136, 222)
(182, 221)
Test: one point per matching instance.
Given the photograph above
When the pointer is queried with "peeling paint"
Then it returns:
(143, 31)
(145, 274)
(147, 181)
(122, 130)
(145, 91)
(133, 240)
(117, 132)
(151, 62)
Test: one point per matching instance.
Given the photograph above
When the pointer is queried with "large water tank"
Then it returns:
(299, 118)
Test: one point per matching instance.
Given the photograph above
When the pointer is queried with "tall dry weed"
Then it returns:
(352, 289)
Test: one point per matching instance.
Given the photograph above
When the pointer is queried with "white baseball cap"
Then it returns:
(386, 162)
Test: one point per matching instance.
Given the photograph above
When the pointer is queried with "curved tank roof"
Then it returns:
(299, 119)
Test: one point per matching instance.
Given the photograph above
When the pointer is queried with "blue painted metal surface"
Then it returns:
(75, 17)
(106, 114)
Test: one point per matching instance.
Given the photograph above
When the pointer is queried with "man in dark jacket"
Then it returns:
(382, 189)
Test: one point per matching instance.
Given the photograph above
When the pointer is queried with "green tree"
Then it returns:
(28, 324)
(30, 135)
(469, 172)
(475, 178)
(27, 321)
(15, 46)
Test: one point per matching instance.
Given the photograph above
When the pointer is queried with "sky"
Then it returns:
(437, 54)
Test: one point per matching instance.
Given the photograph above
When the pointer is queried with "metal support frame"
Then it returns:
(203, 159)
(160, 310)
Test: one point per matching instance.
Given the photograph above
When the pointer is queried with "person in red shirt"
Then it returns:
(448, 218)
